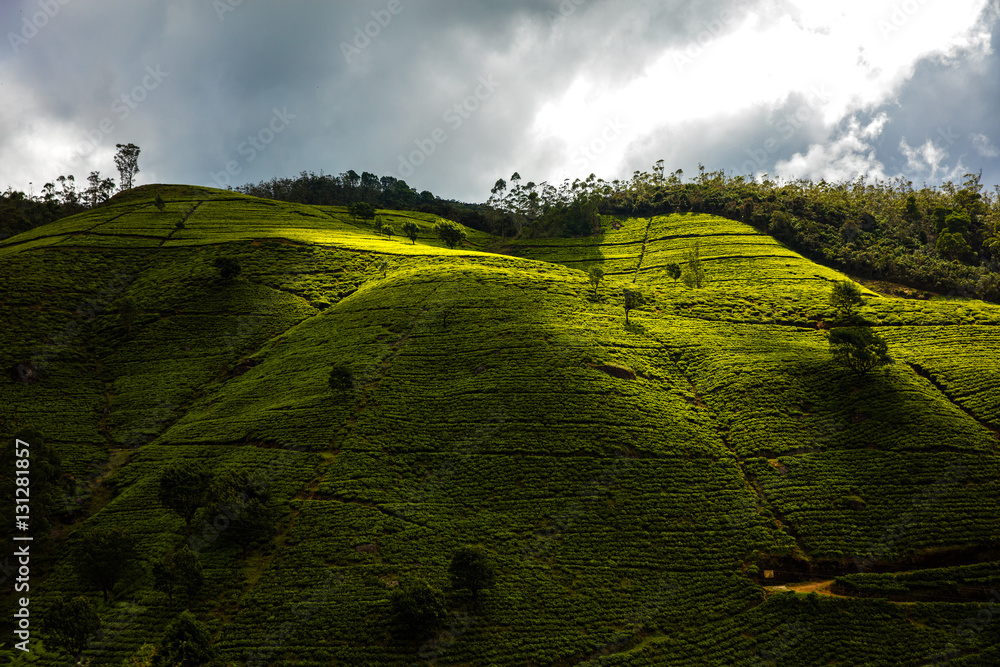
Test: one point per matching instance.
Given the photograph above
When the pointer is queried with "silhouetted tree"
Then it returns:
(471, 570)
(418, 609)
(72, 623)
(100, 190)
(341, 379)
(103, 557)
(242, 499)
(184, 489)
(858, 348)
(229, 267)
(178, 571)
(127, 162)
(185, 643)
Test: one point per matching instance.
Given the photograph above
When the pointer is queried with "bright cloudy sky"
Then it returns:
(452, 95)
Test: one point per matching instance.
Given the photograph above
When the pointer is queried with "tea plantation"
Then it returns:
(635, 487)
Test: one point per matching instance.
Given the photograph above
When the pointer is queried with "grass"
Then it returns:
(630, 483)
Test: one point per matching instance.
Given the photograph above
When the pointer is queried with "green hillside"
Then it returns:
(633, 485)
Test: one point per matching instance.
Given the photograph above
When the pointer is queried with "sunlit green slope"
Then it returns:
(631, 483)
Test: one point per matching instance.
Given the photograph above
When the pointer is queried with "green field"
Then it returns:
(631, 484)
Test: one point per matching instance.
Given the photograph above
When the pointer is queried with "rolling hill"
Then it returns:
(637, 487)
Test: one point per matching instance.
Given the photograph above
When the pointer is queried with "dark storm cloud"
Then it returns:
(443, 94)
(954, 104)
(358, 84)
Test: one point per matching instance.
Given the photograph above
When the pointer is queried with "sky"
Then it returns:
(451, 96)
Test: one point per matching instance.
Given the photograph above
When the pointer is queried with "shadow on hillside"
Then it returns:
(577, 252)
(636, 328)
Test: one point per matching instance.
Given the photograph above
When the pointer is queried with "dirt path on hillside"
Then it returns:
(820, 587)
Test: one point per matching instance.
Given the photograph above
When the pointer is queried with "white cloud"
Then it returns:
(36, 141)
(849, 155)
(844, 50)
(928, 159)
(984, 147)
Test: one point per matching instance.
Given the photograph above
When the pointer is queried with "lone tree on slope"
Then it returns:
(846, 298)
(103, 557)
(341, 379)
(471, 570)
(186, 642)
(178, 570)
(72, 623)
(632, 299)
(596, 274)
(450, 233)
(184, 489)
(127, 309)
(127, 162)
(411, 229)
(418, 609)
(243, 499)
(362, 210)
(674, 270)
(229, 267)
(859, 348)
(694, 274)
